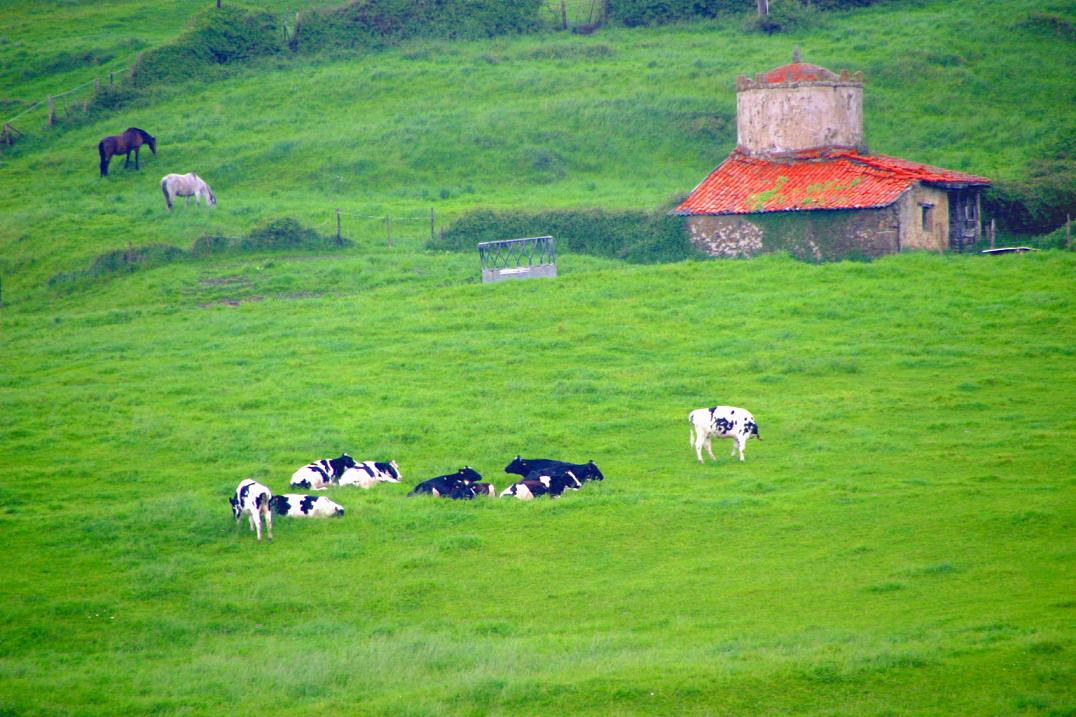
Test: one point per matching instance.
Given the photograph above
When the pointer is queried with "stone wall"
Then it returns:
(913, 235)
(795, 116)
(820, 235)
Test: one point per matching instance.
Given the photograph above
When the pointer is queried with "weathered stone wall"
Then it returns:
(913, 235)
(796, 116)
(821, 235)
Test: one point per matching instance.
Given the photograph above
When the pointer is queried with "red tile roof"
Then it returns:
(815, 179)
(799, 72)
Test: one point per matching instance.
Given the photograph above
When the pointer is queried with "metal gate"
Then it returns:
(517, 259)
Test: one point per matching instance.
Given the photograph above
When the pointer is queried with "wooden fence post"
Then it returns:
(52, 110)
(339, 237)
(111, 78)
(563, 16)
(993, 233)
(432, 222)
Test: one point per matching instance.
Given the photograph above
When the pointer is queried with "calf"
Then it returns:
(454, 485)
(551, 485)
(295, 505)
(252, 498)
(721, 422)
(527, 467)
(368, 473)
(323, 473)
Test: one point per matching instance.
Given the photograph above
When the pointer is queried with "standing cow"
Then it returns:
(721, 422)
(252, 498)
(322, 473)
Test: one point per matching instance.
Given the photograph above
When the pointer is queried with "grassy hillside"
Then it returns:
(624, 119)
(898, 544)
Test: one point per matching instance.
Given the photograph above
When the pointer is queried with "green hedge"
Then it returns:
(635, 236)
(374, 23)
(1039, 203)
(215, 36)
(283, 233)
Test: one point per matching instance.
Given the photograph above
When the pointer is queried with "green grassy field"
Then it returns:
(900, 543)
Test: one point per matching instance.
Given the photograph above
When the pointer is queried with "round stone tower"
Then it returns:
(799, 107)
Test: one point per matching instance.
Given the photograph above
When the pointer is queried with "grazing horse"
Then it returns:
(131, 139)
(186, 186)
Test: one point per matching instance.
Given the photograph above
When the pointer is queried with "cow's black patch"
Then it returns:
(724, 425)
(279, 504)
(307, 504)
(751, 429)
(338, 465)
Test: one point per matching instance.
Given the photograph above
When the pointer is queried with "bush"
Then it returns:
(657, 12)
(215, 36)
(1039, 203)
(785, 16)
(375, 23)
(635, 236)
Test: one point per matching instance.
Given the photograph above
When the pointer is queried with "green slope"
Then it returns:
(898, 544)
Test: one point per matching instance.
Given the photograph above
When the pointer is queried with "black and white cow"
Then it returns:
(721, 422)
(252, 498)
(322, 473)
(369, 473)
(552, 486)
(528, 467)
(295, 505)
(484, 489)
(457, 486)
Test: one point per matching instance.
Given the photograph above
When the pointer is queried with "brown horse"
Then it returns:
(131, 139)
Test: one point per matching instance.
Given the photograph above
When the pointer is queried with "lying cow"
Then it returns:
(369, 473)
(484, 489)
(457, 486)
(721, 422)
(252, 498)
(527, 467)
(544, 485)
(323, 473)
(295, 505)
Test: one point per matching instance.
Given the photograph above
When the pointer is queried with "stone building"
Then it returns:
(801, 179)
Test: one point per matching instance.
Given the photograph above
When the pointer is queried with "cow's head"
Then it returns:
(236, 510)
(468, 475)
(591, 472)
(516, 466)
(346, 461)
(392, 473)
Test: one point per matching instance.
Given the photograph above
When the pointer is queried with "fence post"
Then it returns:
(1068, 231)
(432, 221)
(993, 233)
(52, 110)
(563, 16)
(111, 77)
(339, 237)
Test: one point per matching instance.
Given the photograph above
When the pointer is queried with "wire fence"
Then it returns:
(8, 131)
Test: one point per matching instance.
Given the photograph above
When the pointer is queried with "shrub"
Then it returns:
(656, 12)
(375, 23)
(1040, 202)
(215, 36)
(635, 236)
(785, 16)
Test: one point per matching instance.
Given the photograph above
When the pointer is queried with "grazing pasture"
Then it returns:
(899, 544)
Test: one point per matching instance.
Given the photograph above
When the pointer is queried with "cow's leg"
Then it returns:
(269, 523)
(740, 441)
(698, 443)
(250, 517)
(710, 447)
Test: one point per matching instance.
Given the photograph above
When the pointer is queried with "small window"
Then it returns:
(928, 217)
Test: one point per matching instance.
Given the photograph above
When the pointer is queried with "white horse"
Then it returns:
(186, 186)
